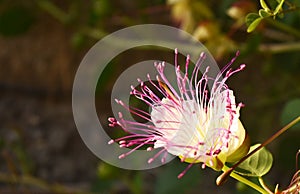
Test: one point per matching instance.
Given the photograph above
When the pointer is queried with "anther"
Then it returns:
(149, 149)
(242, 66)
(150, 160)
(111, 141)
(180, 175)
(122, 142)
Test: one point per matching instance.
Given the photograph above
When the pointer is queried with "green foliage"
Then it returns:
(263, 13)
(256, 165)
(107, 76)
(115, 180)
(274, 8)
(106, 171)
(278, 7)
(290, 111)
(242, 188)
(264, 5)
(14, 153)
(15, 21)
(78, 40)
(99, 10)
(167, 181)
(253, 19)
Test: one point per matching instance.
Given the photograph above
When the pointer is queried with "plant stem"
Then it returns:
(245, 181)
(229, 171)
(284, 27)
(280, 48)
(278, 133)
(53, 10)
(262, 183)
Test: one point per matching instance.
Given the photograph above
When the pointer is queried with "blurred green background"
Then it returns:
(42, 43)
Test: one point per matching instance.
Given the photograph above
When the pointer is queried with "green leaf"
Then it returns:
(256, 165)
(251, 17)
(273, 4)
(253, 25)
(252, 20)
(279, 7)
(290, 111)
(280, 15)
(264, 5)
(262, 13)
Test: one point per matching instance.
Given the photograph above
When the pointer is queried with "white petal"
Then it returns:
(225, 115)
(166, 117)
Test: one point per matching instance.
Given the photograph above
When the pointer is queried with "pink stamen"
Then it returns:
(184, 171)
(156, 155)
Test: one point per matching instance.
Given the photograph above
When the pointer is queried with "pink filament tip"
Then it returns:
(122, 156)
(122, 142)
(180, 175)
(120, 115)
(187, 58)
(113, 122)
(111, 141)
(241, 104)
(211, 163)
(150, 160)
(202, 55)
(149, 149)
(176, 51)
